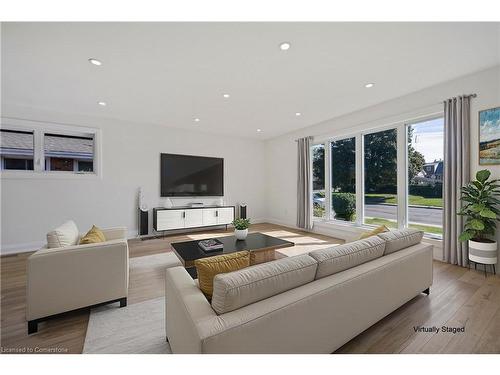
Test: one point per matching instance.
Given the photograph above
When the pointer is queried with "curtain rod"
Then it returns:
(463, 95)
(474, 95)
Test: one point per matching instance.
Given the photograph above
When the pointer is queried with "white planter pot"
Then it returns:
(483, 252)
(240, 234)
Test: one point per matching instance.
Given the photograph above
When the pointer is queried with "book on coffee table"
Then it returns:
(212, 244)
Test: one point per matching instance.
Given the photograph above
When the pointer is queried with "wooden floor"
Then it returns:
(459, 298)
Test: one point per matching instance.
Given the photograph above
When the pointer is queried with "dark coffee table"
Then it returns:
(261, 246)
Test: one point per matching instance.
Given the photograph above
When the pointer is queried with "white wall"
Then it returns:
(281, 153)
(131, 155)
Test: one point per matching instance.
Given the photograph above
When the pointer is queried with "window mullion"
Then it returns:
(359, 180)
(328, 182)
(402, 173)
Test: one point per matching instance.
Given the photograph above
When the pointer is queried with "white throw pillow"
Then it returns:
(64, 235)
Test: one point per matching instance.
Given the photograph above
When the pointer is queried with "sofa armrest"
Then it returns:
(188, 313)
(117, 233)
(68, 278)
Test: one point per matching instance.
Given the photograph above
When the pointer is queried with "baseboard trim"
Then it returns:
(28, 247)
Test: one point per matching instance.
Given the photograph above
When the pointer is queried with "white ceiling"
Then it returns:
(170, 73)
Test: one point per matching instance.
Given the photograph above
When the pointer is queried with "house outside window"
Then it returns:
(16, 150)
(32, 149)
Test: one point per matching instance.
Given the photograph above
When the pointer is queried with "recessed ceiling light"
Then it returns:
(226, 95)
(95, 62)
(298, 114)
(103, 104)
(259, 130)
(369, 85)
(196, 119)
(284, 46)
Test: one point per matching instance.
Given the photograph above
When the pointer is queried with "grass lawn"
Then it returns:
(413, 200)
(392, 224)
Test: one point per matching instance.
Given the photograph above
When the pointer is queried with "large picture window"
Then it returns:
(391, 177)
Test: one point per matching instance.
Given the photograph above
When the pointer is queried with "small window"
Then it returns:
(16, 150)
(68, 153)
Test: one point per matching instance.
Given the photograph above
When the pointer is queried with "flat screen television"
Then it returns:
(191, 176)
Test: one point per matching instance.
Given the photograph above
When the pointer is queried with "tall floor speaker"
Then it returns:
(143, 215)
(143, 222)
(243, 210)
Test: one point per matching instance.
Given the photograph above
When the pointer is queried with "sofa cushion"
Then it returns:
(94, 235)
(374, 232)
(339, 258)
(65, 235)
(401, 239)
(208, 268)
(244, 287)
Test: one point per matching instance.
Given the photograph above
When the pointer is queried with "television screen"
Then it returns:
(186, 176)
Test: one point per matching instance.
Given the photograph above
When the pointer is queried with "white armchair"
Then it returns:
(72, 277)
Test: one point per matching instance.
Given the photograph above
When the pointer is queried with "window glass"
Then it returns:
(67, 153)
(16, 150)
(425, 175)
(318, 198)
(61, 164)
(343, 179)
(380, 169)
(85, 166)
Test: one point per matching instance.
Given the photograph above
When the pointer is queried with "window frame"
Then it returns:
(401, 127)
(39, 130)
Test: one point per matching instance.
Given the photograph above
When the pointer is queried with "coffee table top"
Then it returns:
(189, 251)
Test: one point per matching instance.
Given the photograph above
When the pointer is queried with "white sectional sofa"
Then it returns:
(310, 303)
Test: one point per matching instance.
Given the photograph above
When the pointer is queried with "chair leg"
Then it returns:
(123, 302)
(427, 291)
(494, 271)
(32, 327)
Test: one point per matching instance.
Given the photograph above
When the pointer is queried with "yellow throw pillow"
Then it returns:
(94, 235)
(374, 232)
(207, 268)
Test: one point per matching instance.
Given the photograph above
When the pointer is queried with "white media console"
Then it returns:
(191, 217)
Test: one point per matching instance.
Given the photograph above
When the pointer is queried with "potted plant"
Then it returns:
(480, 202)
(241, 228)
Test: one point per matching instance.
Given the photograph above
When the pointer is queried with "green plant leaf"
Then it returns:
(476, 224)
(483, 175)
(466, 236)
(477, 207)
(488, 213)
